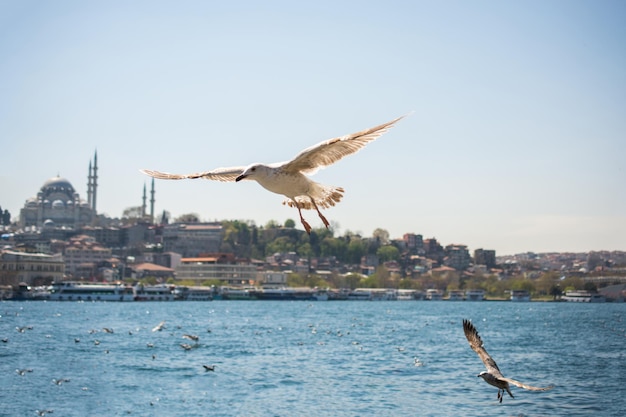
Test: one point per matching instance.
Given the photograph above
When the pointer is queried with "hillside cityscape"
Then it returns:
(61, 237)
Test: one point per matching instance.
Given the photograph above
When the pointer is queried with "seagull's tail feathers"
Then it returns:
(324, 196)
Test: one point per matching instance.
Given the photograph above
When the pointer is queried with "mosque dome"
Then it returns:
(58, 187)
(58, 204)
(58, 184)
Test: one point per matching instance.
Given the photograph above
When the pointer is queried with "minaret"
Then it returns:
(143, 204)
(94, 184)
(89, 188)
(152, 203)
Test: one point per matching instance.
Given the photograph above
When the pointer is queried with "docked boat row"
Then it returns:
(92, 291)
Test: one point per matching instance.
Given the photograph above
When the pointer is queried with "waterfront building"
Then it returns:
(485, 257)
(457, 257)
(150, 270)
(33, 269)
(192, 239)
(83, 255)
(209, 268)
(273, 278)
(414, 243)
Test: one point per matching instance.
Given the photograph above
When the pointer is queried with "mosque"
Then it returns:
(58, 205)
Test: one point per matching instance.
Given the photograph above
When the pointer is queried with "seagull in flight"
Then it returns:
(289, 178)
(492, 376)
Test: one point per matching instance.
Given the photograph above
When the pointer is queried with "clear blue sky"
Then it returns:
(517, 139)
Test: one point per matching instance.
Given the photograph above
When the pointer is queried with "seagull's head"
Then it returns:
(252, 172)
(483, 374)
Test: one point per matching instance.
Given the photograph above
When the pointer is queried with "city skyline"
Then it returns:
(514, 143)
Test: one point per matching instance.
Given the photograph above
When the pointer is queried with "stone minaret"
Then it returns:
(89, 187)
(152, 203)
(143, 202)
(94, 183)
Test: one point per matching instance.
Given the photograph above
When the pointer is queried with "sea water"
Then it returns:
(298, 358)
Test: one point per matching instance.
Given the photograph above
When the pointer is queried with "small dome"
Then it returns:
(58, 204)
(48, 223)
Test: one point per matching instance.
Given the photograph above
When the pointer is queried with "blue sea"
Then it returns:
(298, 358)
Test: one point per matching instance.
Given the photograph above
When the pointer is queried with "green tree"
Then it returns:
(281, 244)
(381, 235)
(331, 246)
(356, 250)
(352, 280)
(388, 253)
(272, 224)
(188, 218)
(131, 215)
(290, 223)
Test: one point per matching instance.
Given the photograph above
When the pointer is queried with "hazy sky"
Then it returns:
(517, 140)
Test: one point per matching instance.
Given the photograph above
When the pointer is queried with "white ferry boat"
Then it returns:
(80, 291)
(235, 293)
(434, 294)
(360, 294)
(291, 293)
(475, 295)
(161, 292)
(520, 295)
(406, 295)
(373, 294)
(194, 293)
(456, 295)
(583, 297)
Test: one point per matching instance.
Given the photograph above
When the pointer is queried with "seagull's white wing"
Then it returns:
(476, 343)
(330, 151)
(528, 387)
(218, 174)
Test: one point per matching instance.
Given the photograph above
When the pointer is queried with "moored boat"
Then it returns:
(434, 294)
(583, 297)
(160, 292)
(287, 293)
(456, 295)
(194, 293)
(235, 293)
(520, 295)
(80, 291)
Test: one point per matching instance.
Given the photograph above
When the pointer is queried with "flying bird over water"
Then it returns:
(492, 376)
(289, 178)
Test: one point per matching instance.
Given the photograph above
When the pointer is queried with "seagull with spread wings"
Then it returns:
(290, 178)
(492, 376)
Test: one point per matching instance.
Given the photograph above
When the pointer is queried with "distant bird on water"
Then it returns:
(492, 376)
(60, 381)
(290, 178)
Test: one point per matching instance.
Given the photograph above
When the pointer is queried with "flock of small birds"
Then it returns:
(491, 376)
(194, 342)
